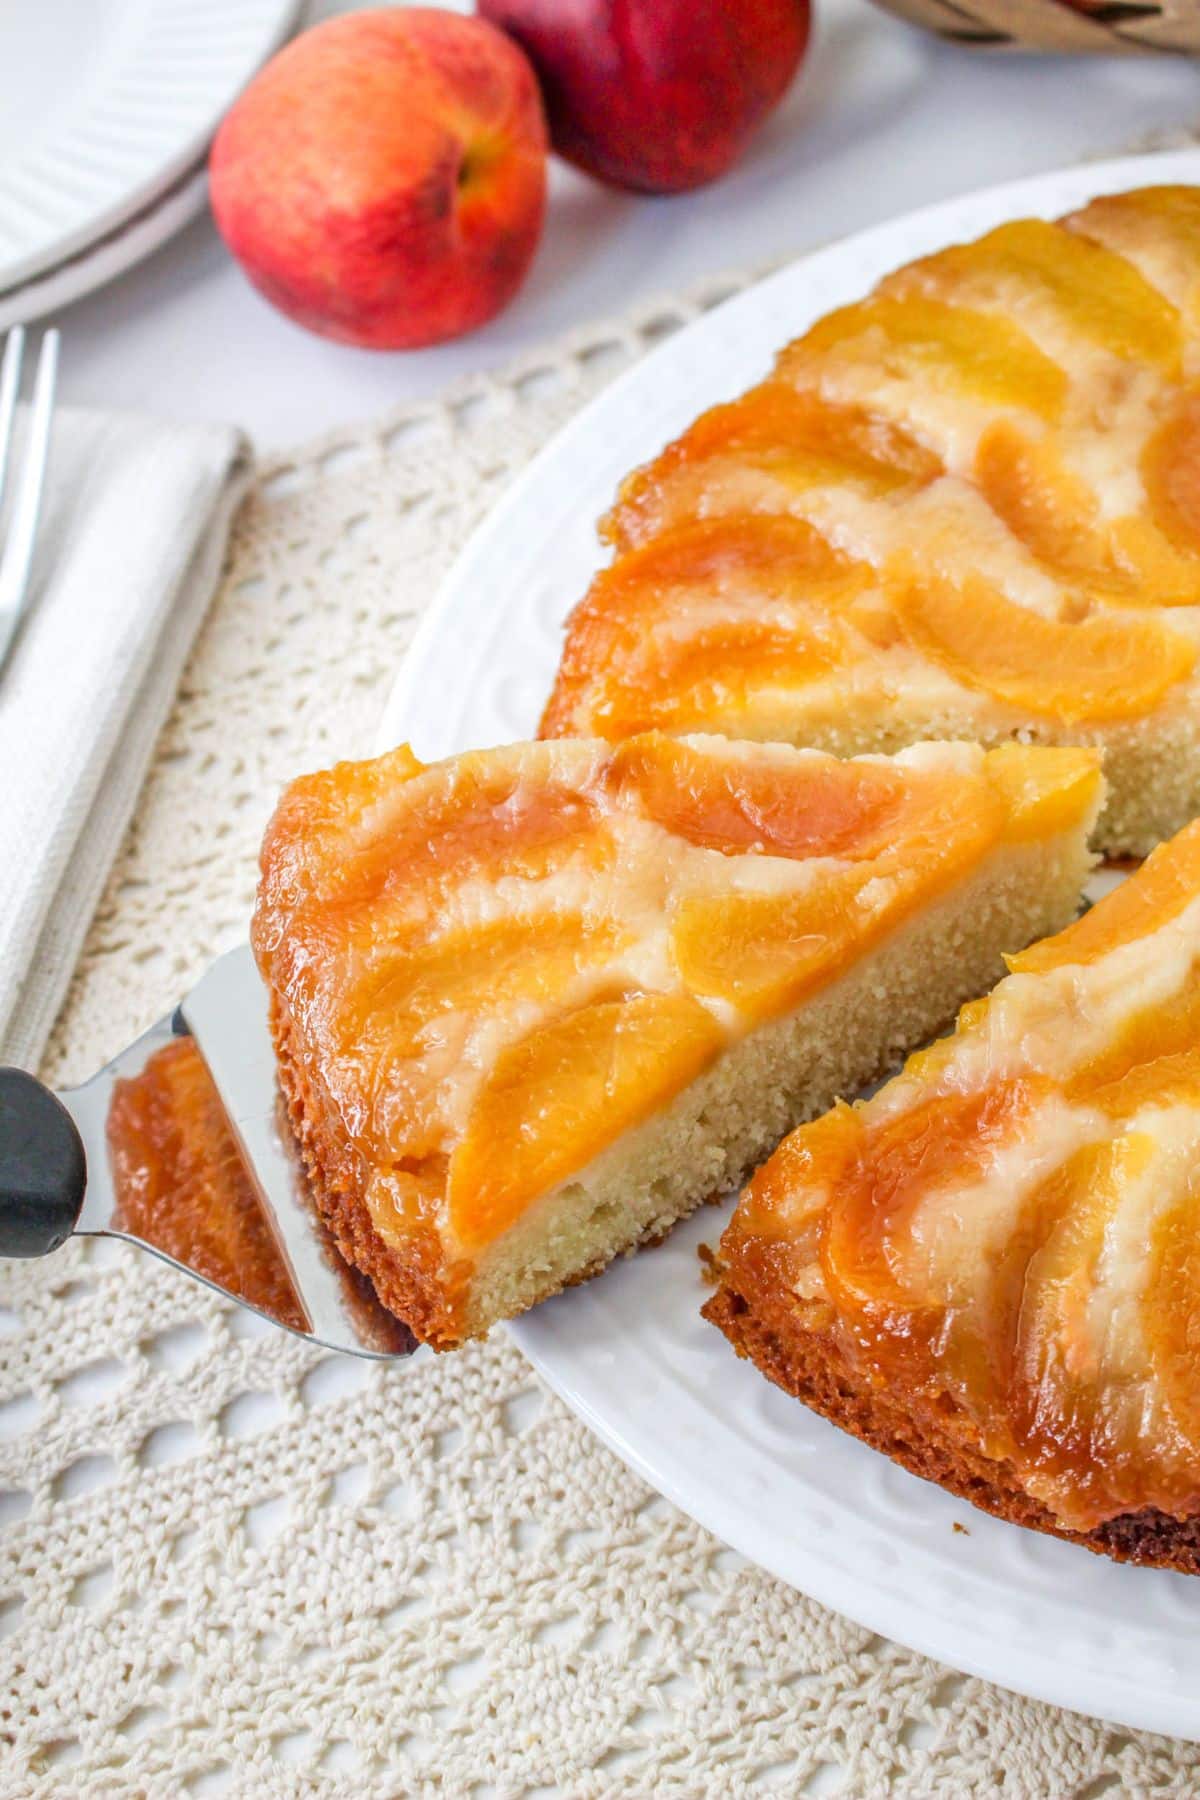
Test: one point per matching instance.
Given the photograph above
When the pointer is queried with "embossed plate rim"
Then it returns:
(160, 77)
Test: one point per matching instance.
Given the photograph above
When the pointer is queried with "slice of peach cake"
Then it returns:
(967, 506)
(532, 1005)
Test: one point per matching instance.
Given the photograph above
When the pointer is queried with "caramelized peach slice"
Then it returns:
(763, 555)
(1171, 1308)
(981, 354)
(988, 1298)
(391, 1005)
(1153, 570)
(1167, 881)
(1101, 668)
(1098, 294)
(1052, 511)
(1165, 203)
(816, 439)
(946, 1142)
(630, 636)
(409, 1012)
(473, 815)
(793, 1183)
(1156, 228)
(796, 806)
(1053, 1398)
(1171, 1077)
(322, 813)
(854, 810)
(478, 816)
(559, 1096)
(1171, 473)
(799, 438)
(1055, 515)
(764, 952)
(707, 680)
(1043, 789)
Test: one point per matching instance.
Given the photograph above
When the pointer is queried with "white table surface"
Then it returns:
(881, 119)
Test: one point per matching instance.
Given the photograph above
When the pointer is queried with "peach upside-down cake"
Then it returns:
(967, 506)
(991, 1269)
(534, 1004)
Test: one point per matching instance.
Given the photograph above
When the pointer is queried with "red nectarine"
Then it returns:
(659, 95)
(383, 179)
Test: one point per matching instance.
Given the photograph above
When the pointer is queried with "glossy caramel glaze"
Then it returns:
(966, 505)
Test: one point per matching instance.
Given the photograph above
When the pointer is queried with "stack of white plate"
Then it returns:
(106, 114)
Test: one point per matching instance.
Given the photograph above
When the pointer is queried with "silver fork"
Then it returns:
(16, 560)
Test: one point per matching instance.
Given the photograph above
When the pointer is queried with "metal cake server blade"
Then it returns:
(55, 1151)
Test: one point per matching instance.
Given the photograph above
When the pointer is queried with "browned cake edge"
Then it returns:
(931, 1439)
(414, 1285)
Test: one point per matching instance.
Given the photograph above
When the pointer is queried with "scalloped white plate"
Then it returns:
(103, 107)
(109, 256)
(629, 1352)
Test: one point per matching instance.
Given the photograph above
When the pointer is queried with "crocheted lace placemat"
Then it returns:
(230, 1564)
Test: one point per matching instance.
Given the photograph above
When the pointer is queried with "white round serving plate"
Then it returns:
(629, 1351)
(104, 108)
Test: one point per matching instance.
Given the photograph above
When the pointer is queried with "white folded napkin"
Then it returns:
(135, 521)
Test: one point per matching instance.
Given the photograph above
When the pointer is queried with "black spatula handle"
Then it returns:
(43, 1170)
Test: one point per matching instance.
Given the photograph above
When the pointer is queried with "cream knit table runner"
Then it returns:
(230, 1564)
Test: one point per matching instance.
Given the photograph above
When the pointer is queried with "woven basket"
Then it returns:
(1059, 24)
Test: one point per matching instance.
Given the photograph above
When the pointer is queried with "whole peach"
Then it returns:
(659, 95)
(383, 179)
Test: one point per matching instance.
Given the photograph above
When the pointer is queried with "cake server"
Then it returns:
(56, 1176)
